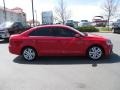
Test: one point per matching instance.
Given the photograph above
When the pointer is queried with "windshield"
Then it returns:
(6, 25)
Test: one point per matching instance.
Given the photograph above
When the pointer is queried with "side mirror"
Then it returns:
(77, 35)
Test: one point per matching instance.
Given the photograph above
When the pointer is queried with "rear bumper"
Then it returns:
(14, 50)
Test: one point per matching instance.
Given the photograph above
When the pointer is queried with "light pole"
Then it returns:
(4, 10)
(36, 17)
(33, 13)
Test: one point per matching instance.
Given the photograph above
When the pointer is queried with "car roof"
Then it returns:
(45, 26)
(56, 25)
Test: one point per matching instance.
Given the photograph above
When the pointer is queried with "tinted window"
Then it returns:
(42, 32)
(63, 32)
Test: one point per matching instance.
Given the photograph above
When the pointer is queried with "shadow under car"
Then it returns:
(114, 58)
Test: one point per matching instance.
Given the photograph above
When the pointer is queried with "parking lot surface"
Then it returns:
(60, 73)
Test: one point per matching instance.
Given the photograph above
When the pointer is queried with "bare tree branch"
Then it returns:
(110, 8)
(62, 12)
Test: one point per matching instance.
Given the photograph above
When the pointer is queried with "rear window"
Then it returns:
(42, 32)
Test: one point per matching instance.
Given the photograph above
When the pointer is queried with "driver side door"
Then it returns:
(70, 45)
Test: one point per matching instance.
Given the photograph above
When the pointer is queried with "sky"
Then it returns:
(80, 9)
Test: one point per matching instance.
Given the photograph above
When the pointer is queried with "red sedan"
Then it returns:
(58, 40)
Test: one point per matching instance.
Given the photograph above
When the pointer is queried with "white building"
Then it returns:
(13, 15)
(47, 17)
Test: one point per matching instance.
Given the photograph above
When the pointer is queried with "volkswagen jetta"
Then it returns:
(58, 40)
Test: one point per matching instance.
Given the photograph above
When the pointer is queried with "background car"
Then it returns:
(58, 40)
(116, 26)
(84, 23)
(9, 28)
(70, 23)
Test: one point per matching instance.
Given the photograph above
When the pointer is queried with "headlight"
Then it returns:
(108, 42)
(5, 34)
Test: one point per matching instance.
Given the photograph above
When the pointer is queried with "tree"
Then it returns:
(62, 13)
(110, 8)
(4, 10)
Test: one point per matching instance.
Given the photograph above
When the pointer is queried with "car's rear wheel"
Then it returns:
(95, 52)
(29, 54)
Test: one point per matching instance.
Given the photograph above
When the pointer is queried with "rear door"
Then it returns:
(45, 41)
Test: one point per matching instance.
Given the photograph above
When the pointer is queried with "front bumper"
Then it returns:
(3, 36)
(108, 50)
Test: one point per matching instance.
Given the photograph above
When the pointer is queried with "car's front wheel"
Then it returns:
(95, 52)
(29, 54)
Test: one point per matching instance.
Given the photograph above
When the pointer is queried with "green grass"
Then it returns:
(104, 29)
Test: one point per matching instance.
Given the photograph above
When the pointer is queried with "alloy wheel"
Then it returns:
(29, 54)
(95, 53)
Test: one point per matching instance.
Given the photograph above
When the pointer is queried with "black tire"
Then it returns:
(29, 54)
(6, 39)
(95, 53)
(114, 31)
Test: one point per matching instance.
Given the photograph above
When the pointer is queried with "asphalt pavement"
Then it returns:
(60, 73)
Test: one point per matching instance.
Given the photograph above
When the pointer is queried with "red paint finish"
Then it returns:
(57, 45)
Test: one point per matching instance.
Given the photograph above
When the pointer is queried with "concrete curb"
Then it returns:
(105, 32)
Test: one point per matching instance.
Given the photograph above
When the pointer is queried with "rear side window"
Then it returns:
(42, 32)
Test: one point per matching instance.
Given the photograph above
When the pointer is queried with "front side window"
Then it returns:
(63, 32)
(42, 32)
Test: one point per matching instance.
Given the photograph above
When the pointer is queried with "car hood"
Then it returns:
(96, 36)
(3, 29)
